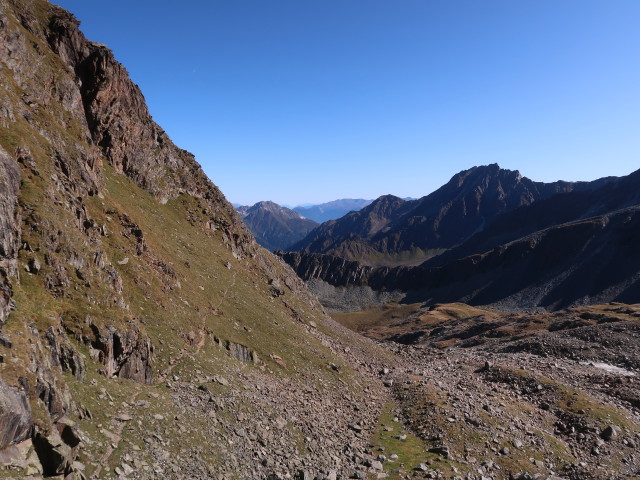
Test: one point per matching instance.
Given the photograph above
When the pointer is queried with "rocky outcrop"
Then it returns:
(238, 351)
(124, 353)
(16, 423)
(57, 449)
(63, 354)
(9, 229)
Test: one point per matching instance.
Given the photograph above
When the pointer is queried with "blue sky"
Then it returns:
(309, 101)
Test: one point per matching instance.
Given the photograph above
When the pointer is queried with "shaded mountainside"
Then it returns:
(139, 318)
(275, 227)
(613, 195)
(393, 228)
(553, 254)
(332, 210)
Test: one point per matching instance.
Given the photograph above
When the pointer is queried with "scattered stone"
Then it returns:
(610, 433)
(34, 266)
(441, 450)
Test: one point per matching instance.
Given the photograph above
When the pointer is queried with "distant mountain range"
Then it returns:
(495, 237)
(277, 227)
(332, 210)
(274, 226)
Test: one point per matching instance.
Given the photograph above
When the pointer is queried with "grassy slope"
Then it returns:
(208, 292)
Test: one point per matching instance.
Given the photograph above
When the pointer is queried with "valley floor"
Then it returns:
(537, 403)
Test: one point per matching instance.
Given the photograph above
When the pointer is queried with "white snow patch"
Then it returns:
(610, 368)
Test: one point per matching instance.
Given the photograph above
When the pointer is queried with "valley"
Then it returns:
(489, 330)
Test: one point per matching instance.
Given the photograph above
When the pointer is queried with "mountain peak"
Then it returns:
(274, 226)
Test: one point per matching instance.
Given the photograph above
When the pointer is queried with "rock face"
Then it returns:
(125, 354)
(9, 229)
(275, 227)
(15, 416)
(391, 227)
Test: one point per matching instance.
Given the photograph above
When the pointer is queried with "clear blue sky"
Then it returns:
(300, 101)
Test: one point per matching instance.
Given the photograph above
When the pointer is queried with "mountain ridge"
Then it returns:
(331, 210)
(515, 260)
(440, 220)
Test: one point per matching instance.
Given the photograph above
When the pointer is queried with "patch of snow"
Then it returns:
(610, 368)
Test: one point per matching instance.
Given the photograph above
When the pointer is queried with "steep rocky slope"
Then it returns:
(391, 229)
(140, 320)
(275, 227)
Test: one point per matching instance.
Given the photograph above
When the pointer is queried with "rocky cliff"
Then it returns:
(139, 316)
(9, 226)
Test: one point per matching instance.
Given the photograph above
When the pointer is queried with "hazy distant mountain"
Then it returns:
(391, 227)
(274, 226)
(332, 210)
(574, 248)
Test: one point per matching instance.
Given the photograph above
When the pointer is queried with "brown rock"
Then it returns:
(15, 416)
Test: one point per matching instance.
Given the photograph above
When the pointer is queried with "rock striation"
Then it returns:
(9, 229)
